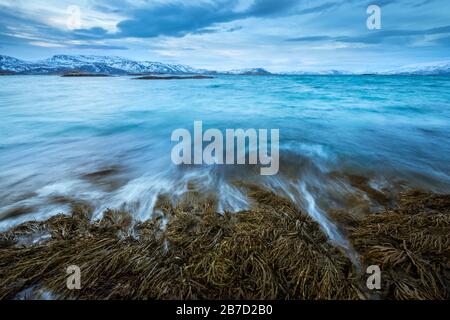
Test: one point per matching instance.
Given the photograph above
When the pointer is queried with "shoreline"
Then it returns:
(272, 251)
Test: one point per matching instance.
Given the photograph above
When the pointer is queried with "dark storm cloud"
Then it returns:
(177, 20)
(235, 33)
(375, 37)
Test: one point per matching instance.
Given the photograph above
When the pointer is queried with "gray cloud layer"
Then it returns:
(235, 32)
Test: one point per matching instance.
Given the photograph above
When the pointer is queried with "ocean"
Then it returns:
(106, 141)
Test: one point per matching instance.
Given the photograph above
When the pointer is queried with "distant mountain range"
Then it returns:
(111, 65)
(319, 73)
(425, 69)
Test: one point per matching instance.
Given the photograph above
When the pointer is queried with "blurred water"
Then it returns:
(107, 140)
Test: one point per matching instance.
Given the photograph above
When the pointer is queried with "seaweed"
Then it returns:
(410, 243)
(269, 252)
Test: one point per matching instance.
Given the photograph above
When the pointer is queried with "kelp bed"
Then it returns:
(272, 251)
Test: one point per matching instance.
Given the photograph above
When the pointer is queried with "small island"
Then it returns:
(7, 73)
(149, 77)
(83, 74)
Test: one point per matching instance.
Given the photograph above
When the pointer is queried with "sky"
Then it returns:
(279, 35)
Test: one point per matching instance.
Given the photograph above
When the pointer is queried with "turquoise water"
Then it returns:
(107, 140)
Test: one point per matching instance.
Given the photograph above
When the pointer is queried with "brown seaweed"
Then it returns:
(272, 251)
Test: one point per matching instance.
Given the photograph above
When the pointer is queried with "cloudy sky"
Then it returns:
(279, 35)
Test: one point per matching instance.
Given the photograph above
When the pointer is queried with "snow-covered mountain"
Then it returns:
(13, 64)
(117, 65)
(93, 64)
(318, 73)
(436, 69)
(59, 64)
(248, 71)
(425, 69)
(107, 65)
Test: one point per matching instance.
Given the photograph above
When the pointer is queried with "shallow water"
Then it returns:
(107, 140)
